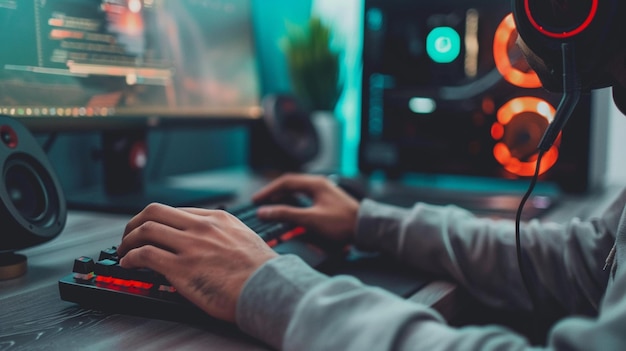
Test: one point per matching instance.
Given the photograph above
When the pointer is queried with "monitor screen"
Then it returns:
(64, 62)
(121, 67)
(446, 91)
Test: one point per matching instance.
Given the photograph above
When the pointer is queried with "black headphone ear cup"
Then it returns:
(32, 203)
(591, 26)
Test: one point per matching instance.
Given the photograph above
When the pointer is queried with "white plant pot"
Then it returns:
(330, 133)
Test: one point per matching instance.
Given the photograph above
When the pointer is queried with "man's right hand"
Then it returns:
(333, 213)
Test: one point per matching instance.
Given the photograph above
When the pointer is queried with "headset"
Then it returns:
(590, 27)
(575, 40)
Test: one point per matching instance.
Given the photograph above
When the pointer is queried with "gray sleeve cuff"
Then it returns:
(378, 226)
(270, 296)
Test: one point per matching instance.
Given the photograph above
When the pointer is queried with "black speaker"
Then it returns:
(32, 204)
(285, 138)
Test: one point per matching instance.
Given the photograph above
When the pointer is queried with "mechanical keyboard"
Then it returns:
(102, 283)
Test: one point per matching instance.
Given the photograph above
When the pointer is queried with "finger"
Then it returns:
(156, 234)
(160, 213)
(287, 184)
(151, 257)
(284, 213)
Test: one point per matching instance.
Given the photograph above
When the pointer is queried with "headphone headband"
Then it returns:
(561, 33)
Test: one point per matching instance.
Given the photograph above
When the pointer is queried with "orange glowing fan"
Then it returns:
(517, 73)
(522, 121)
(520, 125)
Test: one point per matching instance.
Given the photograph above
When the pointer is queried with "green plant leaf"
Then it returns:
(314, 67)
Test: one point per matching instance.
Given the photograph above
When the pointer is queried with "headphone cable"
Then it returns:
(569, 100)
(571, 95)
(518, 219)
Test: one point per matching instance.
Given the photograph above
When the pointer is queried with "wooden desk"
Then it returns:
(34, 317)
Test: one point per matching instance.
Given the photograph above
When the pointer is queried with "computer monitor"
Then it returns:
(447, 92)
(122, 67)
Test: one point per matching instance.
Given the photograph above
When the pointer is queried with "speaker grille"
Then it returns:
(30, 191)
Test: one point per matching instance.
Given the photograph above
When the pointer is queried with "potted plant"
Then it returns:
(314, 68)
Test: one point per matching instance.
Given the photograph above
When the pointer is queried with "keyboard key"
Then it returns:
(110, 268)
(109, 253)
(107, 268)
(273, 231)
(83, 268)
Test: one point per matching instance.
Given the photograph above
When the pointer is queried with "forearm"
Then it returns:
(291, 307)
(479, 253)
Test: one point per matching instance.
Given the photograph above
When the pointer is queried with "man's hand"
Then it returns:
(333, 213)
(206, 254)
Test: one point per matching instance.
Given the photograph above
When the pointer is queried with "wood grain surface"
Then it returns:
(35, 318)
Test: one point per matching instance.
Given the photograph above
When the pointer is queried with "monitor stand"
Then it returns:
(125, 190)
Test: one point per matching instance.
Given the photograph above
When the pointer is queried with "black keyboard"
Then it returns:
(102, 283)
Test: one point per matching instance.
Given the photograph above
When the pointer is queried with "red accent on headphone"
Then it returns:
(562, 35)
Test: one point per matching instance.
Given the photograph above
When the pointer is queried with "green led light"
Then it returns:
(443, 44)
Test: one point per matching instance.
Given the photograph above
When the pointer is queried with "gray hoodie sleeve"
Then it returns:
(290, 306)
(565, 260)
